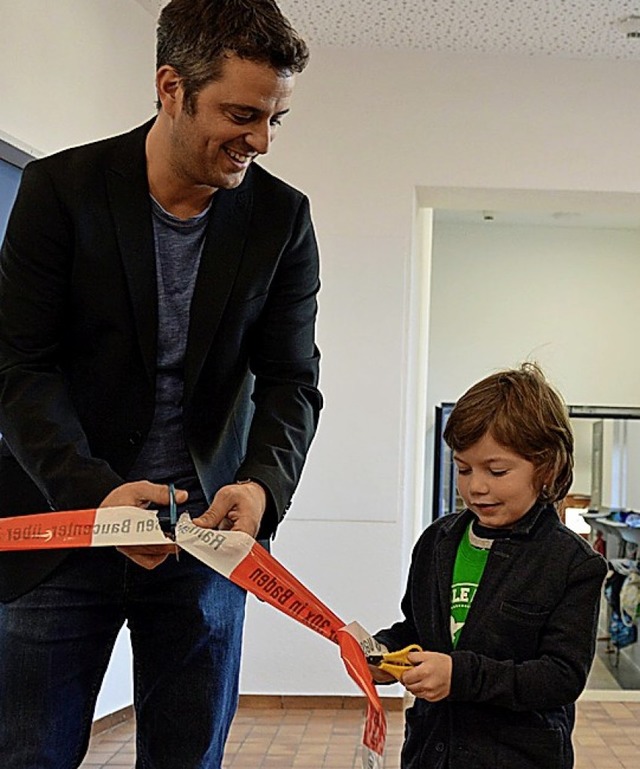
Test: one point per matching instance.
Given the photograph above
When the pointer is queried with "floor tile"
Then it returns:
(607, 736)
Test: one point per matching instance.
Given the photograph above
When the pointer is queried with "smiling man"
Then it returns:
(157, 324)
(194, 148)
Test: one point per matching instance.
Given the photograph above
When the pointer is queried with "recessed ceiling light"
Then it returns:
(630, 25)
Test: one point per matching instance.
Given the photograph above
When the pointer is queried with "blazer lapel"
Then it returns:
(445, 557)
(128, 193)
(219, 264)
(491, 585)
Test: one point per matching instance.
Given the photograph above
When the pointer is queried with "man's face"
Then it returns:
(234, 120)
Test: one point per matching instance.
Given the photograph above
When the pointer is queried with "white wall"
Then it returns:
(365, 130)
(72, 71)
(582, 433)
(565, 296)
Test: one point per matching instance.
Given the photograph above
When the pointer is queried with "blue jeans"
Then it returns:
(186, 625)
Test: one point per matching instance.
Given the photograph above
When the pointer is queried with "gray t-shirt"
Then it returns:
(165, 458)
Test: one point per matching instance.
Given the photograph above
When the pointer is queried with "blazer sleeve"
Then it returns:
(284, 360)
(38, 421)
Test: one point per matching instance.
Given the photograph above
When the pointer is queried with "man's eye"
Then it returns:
(275, 121)
(241, 118)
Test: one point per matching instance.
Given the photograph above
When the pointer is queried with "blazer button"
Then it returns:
(135, 438)
(440, 746)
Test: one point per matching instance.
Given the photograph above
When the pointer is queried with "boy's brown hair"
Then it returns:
(525, 414)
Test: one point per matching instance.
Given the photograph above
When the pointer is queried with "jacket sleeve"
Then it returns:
(559, 672)
(404, 632)
(38, 422)
(284, 360)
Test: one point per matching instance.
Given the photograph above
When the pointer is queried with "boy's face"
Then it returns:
(497, 484)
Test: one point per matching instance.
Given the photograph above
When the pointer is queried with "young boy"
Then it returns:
(502, 597)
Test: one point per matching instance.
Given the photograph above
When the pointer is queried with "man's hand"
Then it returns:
(142, 494)
(237, 507)
(430, 678)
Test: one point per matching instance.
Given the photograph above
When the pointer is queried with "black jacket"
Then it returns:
(523, 655)
(78, 327)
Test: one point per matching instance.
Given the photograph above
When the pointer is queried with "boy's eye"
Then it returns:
(498, 473)
(463, 471)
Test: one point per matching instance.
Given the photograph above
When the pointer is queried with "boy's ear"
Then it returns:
(545, 478)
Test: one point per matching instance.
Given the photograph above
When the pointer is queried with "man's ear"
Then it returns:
(169, 89)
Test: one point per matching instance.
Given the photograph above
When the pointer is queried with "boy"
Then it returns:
(503, 598)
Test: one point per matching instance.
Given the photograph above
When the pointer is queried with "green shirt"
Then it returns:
(467, 573)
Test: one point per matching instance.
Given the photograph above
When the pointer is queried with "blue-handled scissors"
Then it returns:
(173, 509)
(168, 514)
(173, 516)
(168, 519)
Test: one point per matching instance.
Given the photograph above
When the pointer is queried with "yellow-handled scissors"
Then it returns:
(395, 663)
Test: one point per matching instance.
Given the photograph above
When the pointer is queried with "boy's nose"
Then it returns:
(478, 485)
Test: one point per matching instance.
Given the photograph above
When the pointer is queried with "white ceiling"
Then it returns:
(560, 28)
(564, 28)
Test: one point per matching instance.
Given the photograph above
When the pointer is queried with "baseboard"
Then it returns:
(112, 719)
(312, 702)
(268, 702)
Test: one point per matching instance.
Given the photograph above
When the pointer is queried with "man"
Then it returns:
(157, 311)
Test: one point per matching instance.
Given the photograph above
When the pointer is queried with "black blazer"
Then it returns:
(78, 326)
(523, 655)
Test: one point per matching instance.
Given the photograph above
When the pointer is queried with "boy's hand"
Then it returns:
(381, 676)
(430, 678)
(378, 675)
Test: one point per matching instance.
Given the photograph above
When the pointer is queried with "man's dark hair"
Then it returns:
(195, 36)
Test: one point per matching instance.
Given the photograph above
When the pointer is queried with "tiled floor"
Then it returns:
(607, 736)
(269, 739)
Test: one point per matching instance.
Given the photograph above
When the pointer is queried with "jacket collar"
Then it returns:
(523, 527)
(128, 194)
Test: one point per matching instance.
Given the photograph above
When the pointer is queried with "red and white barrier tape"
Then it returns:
(233, 554)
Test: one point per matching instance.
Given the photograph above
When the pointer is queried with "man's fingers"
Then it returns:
(142, 494)
(148, 550)
(209, 520)
(225, 502)
(238, 506)
(148, 556)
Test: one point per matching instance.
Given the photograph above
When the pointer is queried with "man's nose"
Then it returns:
(260, 138)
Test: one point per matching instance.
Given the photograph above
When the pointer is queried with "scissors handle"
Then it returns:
(395, 663)
(173, 508)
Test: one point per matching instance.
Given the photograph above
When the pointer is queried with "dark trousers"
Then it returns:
(185, 623)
